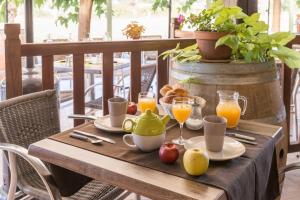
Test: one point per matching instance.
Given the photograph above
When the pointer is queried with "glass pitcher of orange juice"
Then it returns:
(229, 107)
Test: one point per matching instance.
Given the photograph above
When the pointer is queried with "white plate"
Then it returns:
(103, 123)
(231, 149)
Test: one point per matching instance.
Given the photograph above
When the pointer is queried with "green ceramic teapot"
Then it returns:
(147, 124)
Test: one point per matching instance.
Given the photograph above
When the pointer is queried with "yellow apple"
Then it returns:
(195, 161)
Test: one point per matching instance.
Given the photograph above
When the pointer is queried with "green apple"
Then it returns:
(195, 161)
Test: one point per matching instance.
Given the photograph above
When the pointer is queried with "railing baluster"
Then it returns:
(108, 79)
(78, 88)
(13, 68)
(162, 69)
(135, 75)
(47, 72)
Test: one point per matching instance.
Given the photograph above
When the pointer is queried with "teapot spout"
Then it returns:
(165, 119)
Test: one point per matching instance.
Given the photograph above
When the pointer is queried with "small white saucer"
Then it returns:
(103, 123)
(231, 149)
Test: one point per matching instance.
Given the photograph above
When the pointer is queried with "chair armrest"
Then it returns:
(36, 163)
(290, 167)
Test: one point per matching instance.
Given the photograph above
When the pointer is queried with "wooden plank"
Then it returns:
(108, 79)
(103, 46)
(13, 68)
(138, 179)
(135, 75)
(162, 69)
(78, 86)
(47, 72)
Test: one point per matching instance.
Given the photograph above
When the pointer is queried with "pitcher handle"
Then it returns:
(127, 128)
(244, 99)
(125, 140)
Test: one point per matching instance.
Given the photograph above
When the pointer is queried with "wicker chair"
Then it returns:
(28, 119)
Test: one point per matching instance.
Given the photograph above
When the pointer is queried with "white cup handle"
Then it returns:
(125, 140)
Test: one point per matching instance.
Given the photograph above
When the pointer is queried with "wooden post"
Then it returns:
(162, 69)
(85, 12)
(276, 15)
(135, 75)
(78, 86)
(13, 68)
(108, 79)
(248, 6)
(174, 26)
(47, 72)
(29, 29)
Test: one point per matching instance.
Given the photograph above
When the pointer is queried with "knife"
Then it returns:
(241, 136)
(245, 141)
(95, 136)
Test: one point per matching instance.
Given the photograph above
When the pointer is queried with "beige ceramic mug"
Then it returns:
(214, 132)
(117, 107)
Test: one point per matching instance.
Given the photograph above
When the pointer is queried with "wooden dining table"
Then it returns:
(141, 180)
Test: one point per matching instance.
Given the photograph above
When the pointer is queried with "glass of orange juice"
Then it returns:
(147, 101)
(181, 108)
(229, 107)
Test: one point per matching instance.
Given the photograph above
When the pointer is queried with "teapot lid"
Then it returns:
(150, 124)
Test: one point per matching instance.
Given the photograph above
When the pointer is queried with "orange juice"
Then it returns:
(181, 112)
(231, 111)
(147, 103)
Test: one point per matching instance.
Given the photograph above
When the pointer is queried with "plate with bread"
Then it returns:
(170, 92)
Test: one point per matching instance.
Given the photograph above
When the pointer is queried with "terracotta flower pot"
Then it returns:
(206, 42)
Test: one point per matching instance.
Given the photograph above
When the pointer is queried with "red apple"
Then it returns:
(168, 153)
(132, 108)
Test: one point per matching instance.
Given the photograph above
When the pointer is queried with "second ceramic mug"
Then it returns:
(117, 107)
(214, 132)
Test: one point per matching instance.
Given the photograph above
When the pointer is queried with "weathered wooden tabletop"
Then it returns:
(144, 181)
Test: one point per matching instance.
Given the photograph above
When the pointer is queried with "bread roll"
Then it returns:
(169, 99)
(180, 92)
(163, 91)
(171, 93)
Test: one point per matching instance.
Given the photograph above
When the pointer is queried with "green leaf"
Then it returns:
(282, 38)
(228, 40)
(289, 56)
(251, 20)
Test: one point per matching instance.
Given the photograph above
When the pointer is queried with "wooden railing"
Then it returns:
(14, 50)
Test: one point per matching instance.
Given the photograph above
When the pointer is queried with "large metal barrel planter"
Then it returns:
(259, 82)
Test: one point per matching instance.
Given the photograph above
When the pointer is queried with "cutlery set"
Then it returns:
(94, 139)
(242, 138)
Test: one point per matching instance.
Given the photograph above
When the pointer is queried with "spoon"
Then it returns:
(85, 138)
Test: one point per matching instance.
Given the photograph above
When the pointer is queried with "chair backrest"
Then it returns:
(148, 73)
(27, 119)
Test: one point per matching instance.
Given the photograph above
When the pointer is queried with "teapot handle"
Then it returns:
(126, 127)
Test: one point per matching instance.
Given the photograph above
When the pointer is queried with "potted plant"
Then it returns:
(133, 30)
(211, 24)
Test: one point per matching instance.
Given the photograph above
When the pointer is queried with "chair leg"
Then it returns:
(13, 176)
(137, 197)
